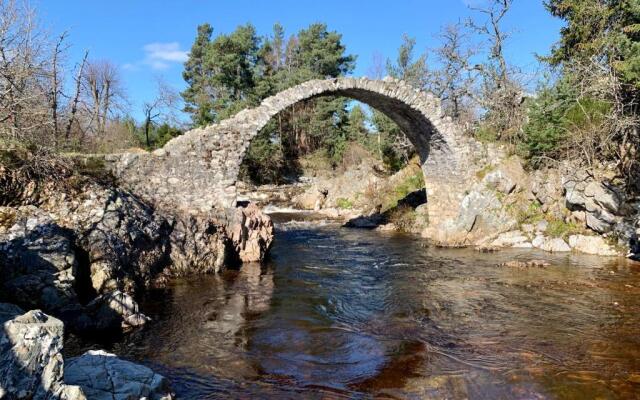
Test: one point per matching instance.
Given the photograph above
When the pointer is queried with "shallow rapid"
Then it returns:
(342, 313)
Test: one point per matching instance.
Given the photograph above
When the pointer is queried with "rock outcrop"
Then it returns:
(476, 212)
(499, 204)
(601, 203)
(251, 233)
(83, 256)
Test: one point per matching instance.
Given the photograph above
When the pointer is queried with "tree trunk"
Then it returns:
(76, 97)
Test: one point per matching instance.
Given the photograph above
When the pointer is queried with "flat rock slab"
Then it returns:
(103, 376)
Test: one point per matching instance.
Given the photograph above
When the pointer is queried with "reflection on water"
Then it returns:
(359, 314)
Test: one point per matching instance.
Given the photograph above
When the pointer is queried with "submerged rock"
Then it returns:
(526, 264)
(511, 239)
(116, 308)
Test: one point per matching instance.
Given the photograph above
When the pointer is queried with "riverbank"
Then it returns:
(500, 204)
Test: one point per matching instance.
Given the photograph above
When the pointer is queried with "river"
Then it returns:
(343, 313)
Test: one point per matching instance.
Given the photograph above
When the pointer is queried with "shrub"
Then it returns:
(485, 134)
(403, 218)
(481, 173)
(561, 229)
(344, 204)
(530, 214)
(409, 185)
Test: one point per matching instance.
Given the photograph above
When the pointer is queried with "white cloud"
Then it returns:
(160, 56)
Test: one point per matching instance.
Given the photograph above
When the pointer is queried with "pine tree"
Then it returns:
(196, 73)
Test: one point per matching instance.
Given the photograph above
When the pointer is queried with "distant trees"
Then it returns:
(198, 95)
(28, 76)
(230, 72)
(586, 109)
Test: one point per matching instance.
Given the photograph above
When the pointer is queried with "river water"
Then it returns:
(342, 313)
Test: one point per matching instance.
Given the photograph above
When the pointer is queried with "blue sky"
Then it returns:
(148, 38)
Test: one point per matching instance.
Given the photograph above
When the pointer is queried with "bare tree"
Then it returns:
(104, 94)
(496, 36)
(24, 74)
(453, 81)
(55, 91)
(502, 95)
(163, 107)
(377, 70)
(76, 96)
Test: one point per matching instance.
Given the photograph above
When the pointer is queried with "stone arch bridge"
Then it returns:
(197, 172)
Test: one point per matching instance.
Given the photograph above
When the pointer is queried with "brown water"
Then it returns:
(340, 313)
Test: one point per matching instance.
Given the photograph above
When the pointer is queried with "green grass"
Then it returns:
(561, 229)
(526, 215)
(409, 185)
(480, 174)
(344, 204)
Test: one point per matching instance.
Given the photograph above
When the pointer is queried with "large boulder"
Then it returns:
(591, 245)
(546, 185)
(199, 244)
(481, 217)
(508, 175)
(103, 376)
(31, 363)
(554, 245)
(32, 366)
(40, 269)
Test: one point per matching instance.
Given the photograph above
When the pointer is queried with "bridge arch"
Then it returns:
(201, 167)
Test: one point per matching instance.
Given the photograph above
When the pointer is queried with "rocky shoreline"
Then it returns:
(78, 259)
(500, 205)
